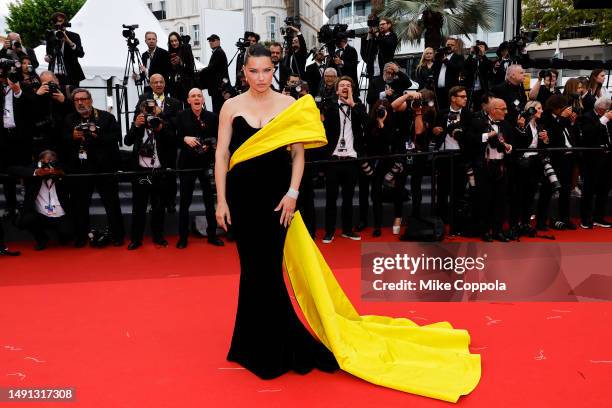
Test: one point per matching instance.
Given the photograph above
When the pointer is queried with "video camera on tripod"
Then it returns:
(290, 22)
(130, 35)
(57, 33)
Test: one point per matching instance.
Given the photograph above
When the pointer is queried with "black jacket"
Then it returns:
(19, 144)
(475, 148)
(189, 125)
(350, 59)
(314, 78)
(359, 121)
(454, 69)
(33, 184)
(160, 64)
(71, 57)
(511, 94)
(380, 47)
(296, 61)
(592, 133)
(172, 107)
(282, 74)
(24, 50)
(465, 119)
(555, 127)
(478, 67)
(102, 151)
(212, 76)
(48, 121)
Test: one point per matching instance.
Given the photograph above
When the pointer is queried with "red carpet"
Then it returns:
(150, 329)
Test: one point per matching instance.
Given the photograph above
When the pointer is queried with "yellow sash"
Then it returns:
(432, 360)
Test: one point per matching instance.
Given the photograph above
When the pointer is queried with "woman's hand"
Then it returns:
(287, 208)
(223, 215)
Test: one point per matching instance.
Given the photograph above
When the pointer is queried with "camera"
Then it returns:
(293, 91)
(290, 22)
(528, 113)
(454, 129)
(206, 146)
(185, 39)
(9, 69)
(53, 88)
(550, 174)
(242, 44)
(381, 111)
(367, 169)
(227, 88)
(328, 34)
(444, 50)
(87, 128)
(130, 35)
(15, 44)
(48, 165)
(373, 23)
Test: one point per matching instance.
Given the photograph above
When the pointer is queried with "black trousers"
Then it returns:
(14, 151)
(596, 172)
(186, 191)
(491, 181)
(442, 98)
(340, 174)
(564, 165)
(529, 173)
(82, 190)
(217, 102)
(38, 225)
(306, 198)
(443, 184)
(416, 181)
(2, 243)
(374, 184)
(154, 189)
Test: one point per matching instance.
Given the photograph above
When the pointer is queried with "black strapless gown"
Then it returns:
(268, 338)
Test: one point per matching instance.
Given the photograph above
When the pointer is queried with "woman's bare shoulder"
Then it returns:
(283, 101)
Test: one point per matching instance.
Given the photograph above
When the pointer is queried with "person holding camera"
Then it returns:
(478, 69)
(501, 64)
(29, 77)
(512, 92)
(46, 201)
(547, 78)
(296, 56)
(15, 132)
(212, 76)
(14, 49)
(51, 107)
(344, 124)
(63, 52)
(155, 60)
(596, 127)
(182, 66)
(281, 72)
(314, 73)
(249, 38)
(378, 47)
(345, 58)
(389, 85)
(197, 133)
(154, 149)
(449, 134)
(448, 67)
(92, 139)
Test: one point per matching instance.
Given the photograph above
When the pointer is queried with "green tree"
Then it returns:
(30, 18)
(551, 17)
(434, 19)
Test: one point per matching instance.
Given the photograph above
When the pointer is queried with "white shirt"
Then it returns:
(275, 78)
(149, 162)
(9, 112)
(534, 140)
(47, 202)
(346, 130)
(442, 77)
(492, 154)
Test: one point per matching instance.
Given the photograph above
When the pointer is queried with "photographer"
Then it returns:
(512, 92)
(14, 49)
(449, 134)
(92, 138)
(378, 47)
(15, 132)
(344, 124)
(52, 107)
(155, 60)
(500, 66)
(488, 144)
(388, 86)
(182, 67)
(281, 72)
(197, 134)
(345, 58)
(249, 38)
(314, 73)
(212, 76)
(154, 148)
(63, 52)
(46, 203)
(29, 77)
(293, 86)
(448, 66)
(559, 120)
(478, 70)
(295, 59)
(596, 127)
(542, 93)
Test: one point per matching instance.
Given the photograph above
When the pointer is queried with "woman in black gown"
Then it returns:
(258, 197)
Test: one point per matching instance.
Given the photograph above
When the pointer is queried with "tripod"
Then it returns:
(57, 64)
(133, 61)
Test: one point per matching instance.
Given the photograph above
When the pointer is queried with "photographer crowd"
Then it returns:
(501, 152)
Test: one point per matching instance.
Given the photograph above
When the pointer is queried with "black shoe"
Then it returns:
(586, 225)
(501, 237)
(118, 242)
(182, 243)
(486, 237)
(351, 235)
(134, 245)
(376, 233)
(216, 241)
(360, 227)
(80, 243)
(570, 226)
(7, 252)
(161, 242)
(328, 238)
(559, 225)
(602, 223)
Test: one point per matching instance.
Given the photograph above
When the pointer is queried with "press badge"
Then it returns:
(50, 209)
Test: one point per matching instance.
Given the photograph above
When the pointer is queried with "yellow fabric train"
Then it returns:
(433, 360)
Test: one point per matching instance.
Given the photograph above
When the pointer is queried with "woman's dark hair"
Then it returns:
(178, 36)
(593, 86)
(256, 50)
(556, 103)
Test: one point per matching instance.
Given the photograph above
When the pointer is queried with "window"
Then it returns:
(195, 30)
(162, 5)
(150, 6)
(181, 30)
(271, 28)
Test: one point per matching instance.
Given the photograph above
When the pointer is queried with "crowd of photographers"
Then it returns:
(499, 146)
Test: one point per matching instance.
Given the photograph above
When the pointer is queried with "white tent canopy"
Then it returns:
(99, 23)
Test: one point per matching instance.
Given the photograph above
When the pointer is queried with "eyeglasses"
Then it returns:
(460, 96)
(81, 99)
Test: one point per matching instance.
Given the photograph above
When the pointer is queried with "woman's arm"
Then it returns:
(222, 157)
(297, 165)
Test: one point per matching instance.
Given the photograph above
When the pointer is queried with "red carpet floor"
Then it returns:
(151, 328)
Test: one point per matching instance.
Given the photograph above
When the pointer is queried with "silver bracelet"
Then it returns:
(293, 193)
